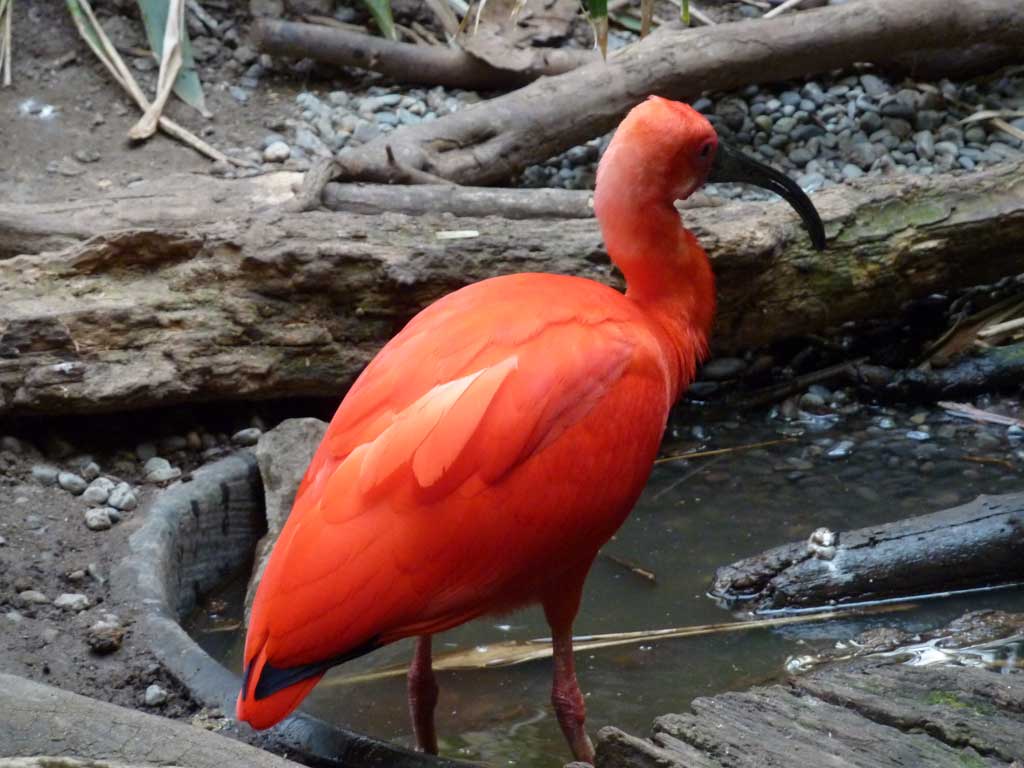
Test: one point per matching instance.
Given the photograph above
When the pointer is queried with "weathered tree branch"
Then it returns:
(407, 62)
(977, 544)
(496, 139)
(201, 289)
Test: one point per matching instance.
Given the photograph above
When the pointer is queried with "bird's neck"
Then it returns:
(668, 276)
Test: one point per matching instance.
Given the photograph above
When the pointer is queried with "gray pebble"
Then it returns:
(122, 498)
(277, 152)
(90, 470)
(45, 474)
(723, 368)
(163, 475)
(155, 463)
(72, 602)
(249, 436)
(155, 696)
(920, 436)
(873, 85)
(241, 95)
(841, 450)
(924, 144)
(33, 597)
(145, 451)
(71, 482)
(105, 636)
(97, 519)
(97, 493)
(365, 132)
(851, 171)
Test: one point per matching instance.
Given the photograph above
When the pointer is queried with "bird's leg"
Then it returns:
(423, 696)
(566, 698)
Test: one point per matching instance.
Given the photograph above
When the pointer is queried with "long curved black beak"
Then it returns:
(733, 165)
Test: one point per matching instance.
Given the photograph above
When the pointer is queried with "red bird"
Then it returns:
(494, 445)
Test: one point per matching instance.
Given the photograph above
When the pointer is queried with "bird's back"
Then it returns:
(492, 445)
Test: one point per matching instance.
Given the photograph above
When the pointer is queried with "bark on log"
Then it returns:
(497, 139)
(978, 544)
(406, 62)
(40, 720)
(868, 712)
(200, 289)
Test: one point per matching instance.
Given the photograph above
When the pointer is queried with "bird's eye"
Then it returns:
(705, 150)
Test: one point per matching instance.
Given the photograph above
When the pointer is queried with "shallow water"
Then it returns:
(695, 515)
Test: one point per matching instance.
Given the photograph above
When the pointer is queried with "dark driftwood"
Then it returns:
(495, 140)
(974, 545)
(197, 289)
(39, 720)
(868, 713)
(406, 62)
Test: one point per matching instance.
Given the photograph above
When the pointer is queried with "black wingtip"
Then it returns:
(273, 679)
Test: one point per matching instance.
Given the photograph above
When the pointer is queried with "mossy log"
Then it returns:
(198, 289)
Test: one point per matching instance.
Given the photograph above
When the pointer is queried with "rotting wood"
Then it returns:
(977, 544)
(496, 140)
(197, 289)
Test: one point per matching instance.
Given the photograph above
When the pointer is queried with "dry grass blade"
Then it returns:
(170, 65)
(965, 332)
(721, 451)
(1001, 329)
(1005, 127)
(646, 15)
(91, 31)
(989, 460)
(968, 411)
(696, 12)
(507, 654)
(786, 6)
(6, 15)
(445, 16)
(988, 114)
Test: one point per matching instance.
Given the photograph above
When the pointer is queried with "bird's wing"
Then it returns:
(374, 504)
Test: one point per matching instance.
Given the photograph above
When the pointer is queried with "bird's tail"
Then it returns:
(269, 694)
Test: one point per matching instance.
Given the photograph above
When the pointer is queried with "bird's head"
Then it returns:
(665, 150)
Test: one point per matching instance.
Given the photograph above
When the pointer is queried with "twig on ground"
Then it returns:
(1000, 329)
(632, 567)
(200, 13)
(778, 392)
(788, 5)
(968, 411)
(722, 451)
(92, 32)
(989, 460)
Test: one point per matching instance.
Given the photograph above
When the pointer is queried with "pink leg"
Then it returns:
(570, 710)
(423, 696)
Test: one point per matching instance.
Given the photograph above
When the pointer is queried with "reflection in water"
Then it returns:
(695, 515)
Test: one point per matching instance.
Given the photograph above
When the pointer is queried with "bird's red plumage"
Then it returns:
(482, 458)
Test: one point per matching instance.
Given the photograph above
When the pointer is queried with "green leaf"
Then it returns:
(381, 12)
(187, 86)
(598, 12)
(624, 20)
(77, 13)
(684, 12)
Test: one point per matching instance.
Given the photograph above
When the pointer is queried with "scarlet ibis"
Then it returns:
(496, 443)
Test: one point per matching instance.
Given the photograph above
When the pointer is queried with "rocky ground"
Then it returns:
(69, 500)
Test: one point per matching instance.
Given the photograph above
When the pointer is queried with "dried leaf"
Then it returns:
(186, 86)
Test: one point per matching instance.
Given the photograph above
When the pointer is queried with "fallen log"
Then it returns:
(37, 720)
(874, 711)
(197, 289)
(978, 544)
(495, 140)
(407, 62)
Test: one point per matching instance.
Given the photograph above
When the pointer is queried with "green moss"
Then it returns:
(877, 222)
(947, 699)
(972, 760)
